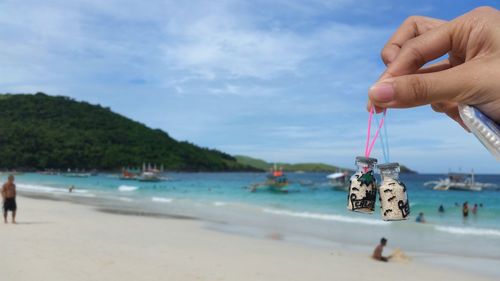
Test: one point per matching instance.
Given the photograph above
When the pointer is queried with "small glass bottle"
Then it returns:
(394, 204)
(363, 187)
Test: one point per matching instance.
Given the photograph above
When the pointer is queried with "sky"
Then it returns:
(278, 80)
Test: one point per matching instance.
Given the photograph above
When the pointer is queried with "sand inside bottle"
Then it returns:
(394, 203)
(362, 192)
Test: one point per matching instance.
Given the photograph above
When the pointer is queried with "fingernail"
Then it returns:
(382, 92)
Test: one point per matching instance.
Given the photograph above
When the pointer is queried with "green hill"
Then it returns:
(306, 167)
(253, 162)
(406, 170)
(41, 132)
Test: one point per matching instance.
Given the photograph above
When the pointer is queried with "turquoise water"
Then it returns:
(307, 214)
(230, 187)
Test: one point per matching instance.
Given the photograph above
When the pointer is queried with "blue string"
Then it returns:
(384, 140)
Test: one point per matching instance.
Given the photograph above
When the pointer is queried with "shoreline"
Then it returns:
(431, 262)
(329, 228)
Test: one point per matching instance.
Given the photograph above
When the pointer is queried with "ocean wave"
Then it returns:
(162, 199)
(327, 217)
(47, 189)
(219, 204)
(126, 188)
(469, 231)
(83, 194)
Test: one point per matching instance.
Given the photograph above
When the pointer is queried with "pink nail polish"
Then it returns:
(382, 92)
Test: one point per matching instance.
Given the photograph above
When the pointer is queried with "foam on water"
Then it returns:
(54, 190)
(162, 199)
(83, 194)
(47, 189)
(469, 231)
(327, 217)
(127, 188)
(219, 204)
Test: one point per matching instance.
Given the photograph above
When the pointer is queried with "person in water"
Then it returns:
(377, 253)
(465, 209)
(420, 218)
(441, 208)
(474, 209)
(9, 199)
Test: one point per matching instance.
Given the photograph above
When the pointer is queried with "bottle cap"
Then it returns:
(367, 160)
(388, 166)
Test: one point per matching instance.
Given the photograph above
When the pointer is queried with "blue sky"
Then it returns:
(279, 80)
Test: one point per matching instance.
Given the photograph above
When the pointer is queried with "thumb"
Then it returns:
(413, 90)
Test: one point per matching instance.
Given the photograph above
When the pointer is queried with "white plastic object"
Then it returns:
(486, 130)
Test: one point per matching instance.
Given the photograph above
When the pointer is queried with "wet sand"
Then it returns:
(59, 241)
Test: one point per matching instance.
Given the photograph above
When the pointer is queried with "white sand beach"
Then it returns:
(57, 240)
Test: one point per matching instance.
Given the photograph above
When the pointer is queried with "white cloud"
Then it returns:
(228, 48)
(211, 46)
(283, 80)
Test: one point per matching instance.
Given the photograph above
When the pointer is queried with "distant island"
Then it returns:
(40, 132)
(300, 167)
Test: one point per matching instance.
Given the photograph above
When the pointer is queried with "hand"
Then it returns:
(470, 75)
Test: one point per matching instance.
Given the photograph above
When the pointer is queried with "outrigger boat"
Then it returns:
(277, 180)
(76, 174)
(129, 174)
(150, 176)
(148, 173)
(459, 181)
(339, 181)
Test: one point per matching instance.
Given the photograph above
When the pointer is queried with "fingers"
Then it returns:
(439, 66)
(417, 51)
(377, 109)
(411, 28)
(420, 89)
(444, 106)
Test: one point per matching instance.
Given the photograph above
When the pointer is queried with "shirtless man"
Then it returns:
(377, 254)
(9, 199)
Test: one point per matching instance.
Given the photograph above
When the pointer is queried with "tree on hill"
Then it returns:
(55, 132)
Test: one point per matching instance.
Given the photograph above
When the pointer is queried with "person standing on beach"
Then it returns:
(377, 253)
(9, 199)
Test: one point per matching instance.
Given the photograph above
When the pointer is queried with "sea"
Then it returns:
(311, 212)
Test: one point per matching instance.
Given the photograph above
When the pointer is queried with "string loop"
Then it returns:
(384, 141)
(369, 145)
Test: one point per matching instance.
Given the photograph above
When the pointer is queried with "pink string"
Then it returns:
(370, 116)
(369, 147)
